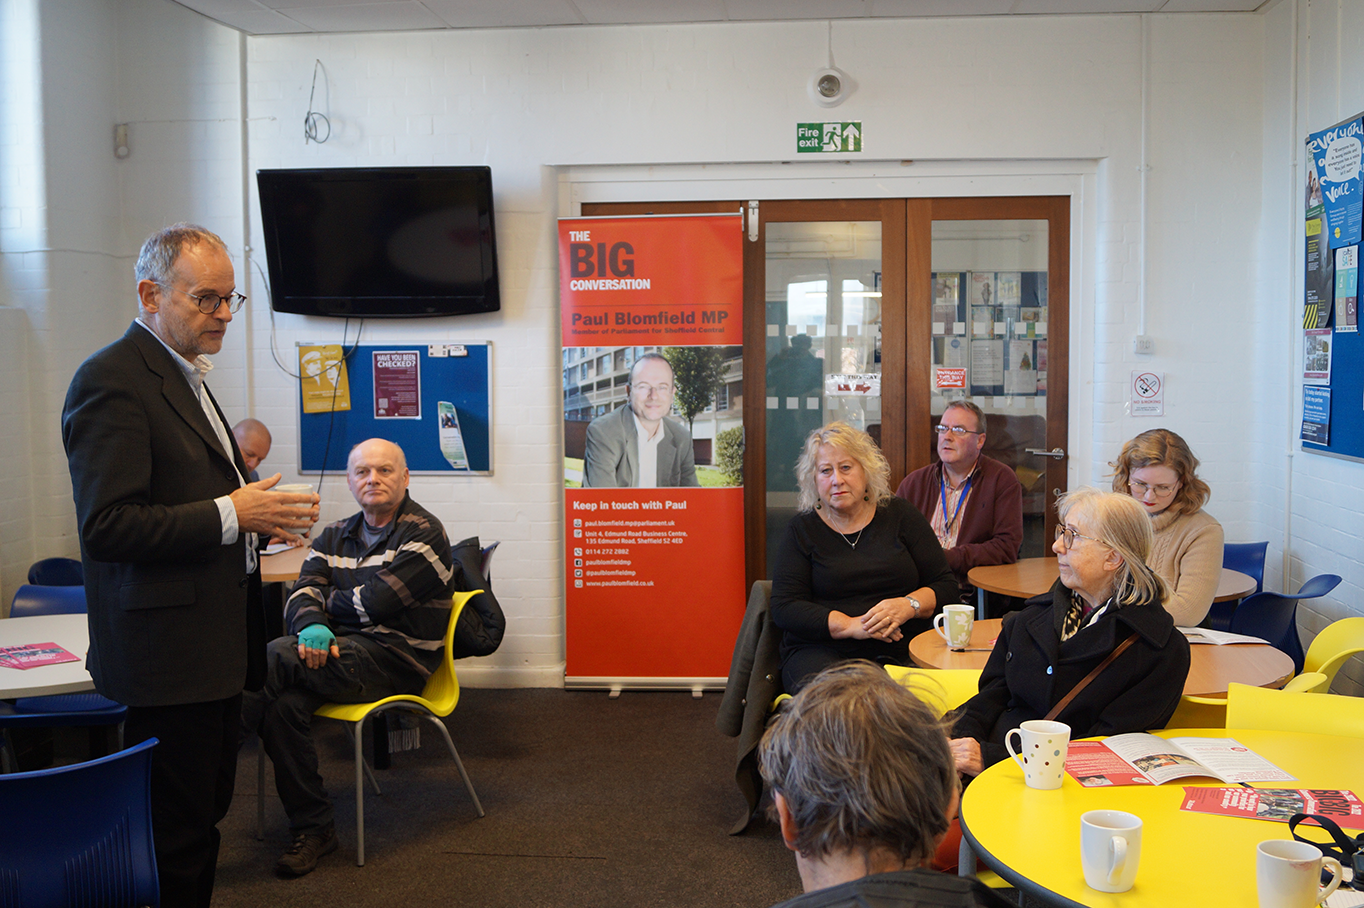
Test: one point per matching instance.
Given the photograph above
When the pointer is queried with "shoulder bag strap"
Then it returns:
(1084, 682)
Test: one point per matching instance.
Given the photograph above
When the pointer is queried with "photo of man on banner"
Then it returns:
(637, 445)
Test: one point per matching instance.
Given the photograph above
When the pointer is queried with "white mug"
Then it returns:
(1110, 849)
(1043, 752)
(1288, 874)
(954, 624)
(295, 488)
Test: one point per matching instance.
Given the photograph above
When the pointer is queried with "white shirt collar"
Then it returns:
(196, 371)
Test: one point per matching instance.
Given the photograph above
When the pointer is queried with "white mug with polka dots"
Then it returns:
(1042, 751)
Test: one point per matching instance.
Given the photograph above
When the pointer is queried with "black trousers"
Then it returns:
(194, 768)
(283, 713)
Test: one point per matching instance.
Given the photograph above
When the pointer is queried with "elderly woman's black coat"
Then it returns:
(1030, 670)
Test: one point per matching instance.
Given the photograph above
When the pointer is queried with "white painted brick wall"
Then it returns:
(1220, 291)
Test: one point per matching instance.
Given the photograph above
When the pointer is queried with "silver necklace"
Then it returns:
(853, 542)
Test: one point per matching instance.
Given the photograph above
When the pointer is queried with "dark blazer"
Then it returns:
(991, 517)
(612, 459)
(1031, 669)
(174, 618)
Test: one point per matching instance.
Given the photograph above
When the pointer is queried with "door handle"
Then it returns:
(1058, 453)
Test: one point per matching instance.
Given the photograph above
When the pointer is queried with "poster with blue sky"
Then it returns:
(1336, 154)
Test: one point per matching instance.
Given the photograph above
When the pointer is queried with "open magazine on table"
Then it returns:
(1142, 759)
(1216, 638)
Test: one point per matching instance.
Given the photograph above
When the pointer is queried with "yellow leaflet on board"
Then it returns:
(322, 378)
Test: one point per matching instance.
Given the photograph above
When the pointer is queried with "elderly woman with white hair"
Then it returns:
(1104, 612)
(859, 572)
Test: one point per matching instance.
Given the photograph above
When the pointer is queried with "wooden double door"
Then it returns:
(879, 312)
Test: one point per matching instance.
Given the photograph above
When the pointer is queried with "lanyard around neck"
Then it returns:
(942, 493)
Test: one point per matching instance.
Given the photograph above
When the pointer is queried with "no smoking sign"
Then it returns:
(1148, 393)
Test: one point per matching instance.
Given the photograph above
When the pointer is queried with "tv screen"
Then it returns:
(392, 242)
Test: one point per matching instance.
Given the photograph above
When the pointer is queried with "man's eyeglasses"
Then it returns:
(1140, 488)
(646, 390)
(209, 302)
(958, 431)
(1068, 537)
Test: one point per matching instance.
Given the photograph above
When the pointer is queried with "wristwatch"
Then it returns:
(914, 602)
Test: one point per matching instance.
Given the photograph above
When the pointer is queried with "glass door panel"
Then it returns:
(823, 344)
(990, 345)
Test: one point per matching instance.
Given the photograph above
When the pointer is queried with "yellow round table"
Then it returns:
(1032, 838)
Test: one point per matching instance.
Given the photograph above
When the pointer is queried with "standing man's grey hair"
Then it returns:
(970, 407)
(861, 763)
(156, 261)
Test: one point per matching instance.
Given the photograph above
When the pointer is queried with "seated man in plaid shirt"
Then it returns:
(366, 620)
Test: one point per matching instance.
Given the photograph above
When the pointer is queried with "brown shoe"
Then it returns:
(308, 848)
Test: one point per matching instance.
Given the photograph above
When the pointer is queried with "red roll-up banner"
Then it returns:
(652, 314)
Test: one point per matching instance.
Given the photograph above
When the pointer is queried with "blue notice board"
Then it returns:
(1346, 438)
(458, 374)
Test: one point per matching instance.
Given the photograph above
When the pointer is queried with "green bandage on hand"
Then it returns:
(317, 636)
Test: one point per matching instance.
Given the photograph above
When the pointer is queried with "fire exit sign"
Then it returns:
(815, 138)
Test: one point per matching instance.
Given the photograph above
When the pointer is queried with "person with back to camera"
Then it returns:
(1158, 469)
(1106, 600)
(863, 789)
(859, 571)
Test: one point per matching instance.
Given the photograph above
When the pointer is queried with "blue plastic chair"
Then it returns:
(1273, 616)
(57, 572)
(1249, 559)
(59, 710)
(81, 834)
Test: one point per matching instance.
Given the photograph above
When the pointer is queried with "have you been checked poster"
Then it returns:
(654, 574)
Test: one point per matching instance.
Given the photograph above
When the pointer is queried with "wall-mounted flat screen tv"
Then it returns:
(383, 242)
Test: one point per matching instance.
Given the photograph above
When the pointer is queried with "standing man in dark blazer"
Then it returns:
(167, 520)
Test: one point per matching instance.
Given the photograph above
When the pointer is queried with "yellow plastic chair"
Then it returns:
(1336, 643)
(1211, 712)
(943, 689)
(1284, 710)
(436, 701)
(1308, 683)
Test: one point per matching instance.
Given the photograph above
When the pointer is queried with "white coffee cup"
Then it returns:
(1110, 849)
(1043, 752)
(294, 488)
(1288, 874)
(954, 624)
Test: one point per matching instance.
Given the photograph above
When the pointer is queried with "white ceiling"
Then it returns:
(283, 17)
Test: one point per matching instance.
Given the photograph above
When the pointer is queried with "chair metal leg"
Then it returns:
(369, 773)
(358, 736)
(260, 793)
(445, 732)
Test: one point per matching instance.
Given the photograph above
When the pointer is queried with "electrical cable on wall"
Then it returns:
(312, 119)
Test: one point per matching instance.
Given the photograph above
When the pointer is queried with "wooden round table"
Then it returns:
(1030, 577)
(1211, 668)
(283, 567)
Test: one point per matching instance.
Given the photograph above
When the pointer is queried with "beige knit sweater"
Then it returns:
(1188, 557)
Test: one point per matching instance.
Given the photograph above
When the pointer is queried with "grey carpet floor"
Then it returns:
(590, 802)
